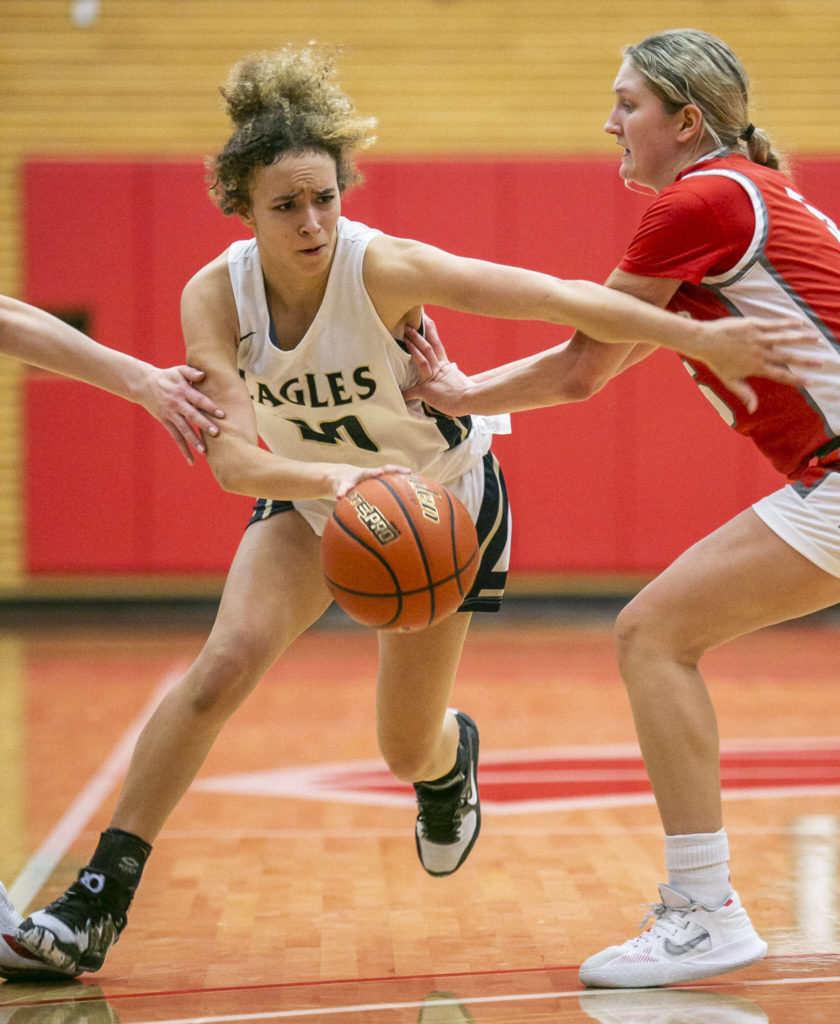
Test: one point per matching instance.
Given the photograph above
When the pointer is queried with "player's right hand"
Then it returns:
(781, 349)
(344, 478)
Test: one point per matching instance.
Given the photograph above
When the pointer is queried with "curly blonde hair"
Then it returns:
(285, 102)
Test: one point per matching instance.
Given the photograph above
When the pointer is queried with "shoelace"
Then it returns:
(439, 816)
(668, 919)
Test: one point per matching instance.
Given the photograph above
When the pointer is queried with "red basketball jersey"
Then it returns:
(745, 243)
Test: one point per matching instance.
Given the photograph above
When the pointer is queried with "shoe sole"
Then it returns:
(45, 945)
(653, 976)
(27, 966)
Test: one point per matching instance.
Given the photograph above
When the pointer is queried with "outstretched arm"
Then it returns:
(570, 372)
(38, 338)
(733, 347)
(401, 274)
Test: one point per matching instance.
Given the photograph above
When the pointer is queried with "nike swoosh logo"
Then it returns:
(681, 948)
(472, 799)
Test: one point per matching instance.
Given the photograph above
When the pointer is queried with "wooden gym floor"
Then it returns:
(286, 885)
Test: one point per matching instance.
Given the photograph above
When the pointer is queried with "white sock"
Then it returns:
(698, 865)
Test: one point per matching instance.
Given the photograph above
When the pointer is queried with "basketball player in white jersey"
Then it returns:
(296, 332)
(727, 235)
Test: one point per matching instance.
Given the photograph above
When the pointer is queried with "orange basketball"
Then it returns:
(399, 552)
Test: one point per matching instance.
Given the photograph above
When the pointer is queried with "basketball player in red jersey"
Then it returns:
(727, 235)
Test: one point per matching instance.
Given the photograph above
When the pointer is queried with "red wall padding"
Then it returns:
(619, 484)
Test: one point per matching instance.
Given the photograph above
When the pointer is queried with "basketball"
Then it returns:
(399, 552)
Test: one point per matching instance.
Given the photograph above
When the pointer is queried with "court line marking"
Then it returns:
(816, 848)
(710, 986)
(43, 862)
(347, 782)
(466, 1002)
(500, 829)
(362, 1008)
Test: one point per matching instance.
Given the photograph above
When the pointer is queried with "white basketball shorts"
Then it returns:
(808, 519)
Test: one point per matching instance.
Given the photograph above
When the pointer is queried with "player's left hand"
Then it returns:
(439, 381)
(181, 408)
(780, 349)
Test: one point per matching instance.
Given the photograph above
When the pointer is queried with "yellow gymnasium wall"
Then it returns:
(466, 77)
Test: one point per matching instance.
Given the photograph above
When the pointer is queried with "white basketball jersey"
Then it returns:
(336, 397)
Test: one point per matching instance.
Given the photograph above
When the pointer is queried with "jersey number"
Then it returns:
(723, 409)
(829, 223)
(348, 428)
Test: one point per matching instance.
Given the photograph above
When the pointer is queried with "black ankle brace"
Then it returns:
(120, 856)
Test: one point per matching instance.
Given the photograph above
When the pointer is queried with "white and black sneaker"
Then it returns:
(449, 815)
(686, 942)
(74, 933)
(15, 961)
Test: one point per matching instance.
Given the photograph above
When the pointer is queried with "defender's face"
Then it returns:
(645, 130)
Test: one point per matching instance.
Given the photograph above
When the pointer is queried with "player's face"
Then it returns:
(653, 155)
(295, 206)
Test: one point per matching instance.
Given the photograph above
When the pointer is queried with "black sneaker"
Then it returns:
(74, 932)
(449, 820)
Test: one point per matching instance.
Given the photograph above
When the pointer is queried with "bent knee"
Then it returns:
(645, 633)
(224, 674)
(631, 630)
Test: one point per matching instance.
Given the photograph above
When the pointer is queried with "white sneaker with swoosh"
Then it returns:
(15, 961)
(687, 941)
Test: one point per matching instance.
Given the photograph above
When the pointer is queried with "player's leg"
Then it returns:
(417, 736)
(739, 579)
(427, 743)
(422, 742)
(273, 592)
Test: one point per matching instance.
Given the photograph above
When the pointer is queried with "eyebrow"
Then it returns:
(294, 195)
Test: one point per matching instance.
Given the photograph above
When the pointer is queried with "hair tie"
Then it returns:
(747, 133)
